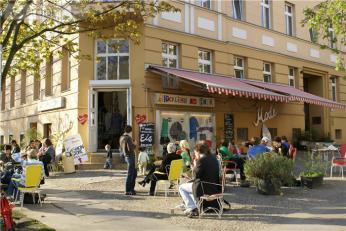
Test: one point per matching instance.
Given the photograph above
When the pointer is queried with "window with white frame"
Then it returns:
(334, 96)
(204, 3)
(332, 38)
(169, 55)
(291, 76)
(112, 59)
(237, 7)
(265, 8)
(239, 64)
(267, 72)
(204, 61)
(289, 18)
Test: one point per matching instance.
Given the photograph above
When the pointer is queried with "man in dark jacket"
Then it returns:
(162, 172)
(206, 176)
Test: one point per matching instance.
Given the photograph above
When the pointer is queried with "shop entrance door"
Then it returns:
(111, 117)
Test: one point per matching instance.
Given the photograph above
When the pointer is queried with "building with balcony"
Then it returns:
(214, 70)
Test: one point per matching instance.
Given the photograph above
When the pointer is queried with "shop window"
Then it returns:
(239, 64)
(267, 72)
(273, 132)
(33, 126)
(334, 92)
(204, 3)
(190, 126)
(332, 38)
(204, 61)
(313, 35)
(49, 76)
(112, 59)
(265, 12)
(170, 55)
(23, 86)
(65, 69)
(291, 76)
(289, 9)
(2, 140)
(47, 130)
(12, 90)
(296, 132)
(338, 134)
(316, 120)
(237, 7)
(242, 134)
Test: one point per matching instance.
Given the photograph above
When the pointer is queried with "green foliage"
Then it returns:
(329, 14)
(30, 134)
(270, 167)
(32, 30)
(313, 167)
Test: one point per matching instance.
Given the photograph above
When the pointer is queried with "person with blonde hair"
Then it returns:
(185, 154)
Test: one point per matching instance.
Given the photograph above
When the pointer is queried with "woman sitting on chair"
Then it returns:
(162, 172)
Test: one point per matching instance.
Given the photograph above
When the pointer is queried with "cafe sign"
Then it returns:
(263, 116)
(183, 100)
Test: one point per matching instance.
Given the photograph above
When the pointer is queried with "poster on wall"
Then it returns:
(228, 127)
(74, 146)
(146, 134)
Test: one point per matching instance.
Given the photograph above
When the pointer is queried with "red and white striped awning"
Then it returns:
(218, 84)
(297, 95)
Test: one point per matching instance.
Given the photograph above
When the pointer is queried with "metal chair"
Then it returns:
(234, 169)
(339, 161)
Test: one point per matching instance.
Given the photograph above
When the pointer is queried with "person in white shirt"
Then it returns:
(143, 160)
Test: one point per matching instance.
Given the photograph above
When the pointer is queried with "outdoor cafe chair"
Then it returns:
(202, 210)
(339, 161)
(174, 172)
(235, 170)
(32, 183)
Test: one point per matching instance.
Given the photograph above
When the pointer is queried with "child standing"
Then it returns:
(108, 164)
(143, 160)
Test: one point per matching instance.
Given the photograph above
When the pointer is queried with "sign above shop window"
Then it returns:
(264, 116)
(51, 104)
(183, 100)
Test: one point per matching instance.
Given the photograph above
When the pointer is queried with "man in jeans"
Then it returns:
(128, 148)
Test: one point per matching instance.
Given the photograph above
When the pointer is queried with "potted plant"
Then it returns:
(313, 173)
(269, 172)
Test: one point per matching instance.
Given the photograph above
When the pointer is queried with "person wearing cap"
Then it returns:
(29, 158)
(161, 172)
(228, 156)
(257, 148)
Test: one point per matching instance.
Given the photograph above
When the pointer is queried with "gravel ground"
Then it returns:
(250, 211)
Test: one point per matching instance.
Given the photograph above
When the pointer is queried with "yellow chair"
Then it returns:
(32, 182)
(175, 171)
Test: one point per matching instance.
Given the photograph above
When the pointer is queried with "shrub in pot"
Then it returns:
(269, 171)
(313, 173)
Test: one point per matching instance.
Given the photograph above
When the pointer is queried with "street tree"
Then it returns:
(328, 20)
(31, 29)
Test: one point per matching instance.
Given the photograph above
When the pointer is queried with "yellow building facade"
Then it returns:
(245, 40)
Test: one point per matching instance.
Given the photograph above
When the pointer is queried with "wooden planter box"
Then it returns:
(311, 182)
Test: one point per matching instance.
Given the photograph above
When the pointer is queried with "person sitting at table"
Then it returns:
(5, 156)
(162, 172)
(29, 158)
(228, 156)
(185, 154)
(205, 180)
(256, 148)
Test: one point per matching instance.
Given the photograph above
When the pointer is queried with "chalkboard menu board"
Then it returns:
(146, 134)
(228, 127)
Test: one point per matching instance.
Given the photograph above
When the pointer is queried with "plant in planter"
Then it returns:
(313, 173)
(269, 172)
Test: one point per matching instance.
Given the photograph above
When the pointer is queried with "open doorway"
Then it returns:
(111, 118)
(313, 113)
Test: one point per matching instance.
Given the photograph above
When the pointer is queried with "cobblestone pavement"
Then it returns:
(95, 199)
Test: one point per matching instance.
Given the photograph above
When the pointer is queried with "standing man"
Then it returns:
(128, 148)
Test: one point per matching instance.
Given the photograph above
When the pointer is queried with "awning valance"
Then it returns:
(219, 84)
(295, 94)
